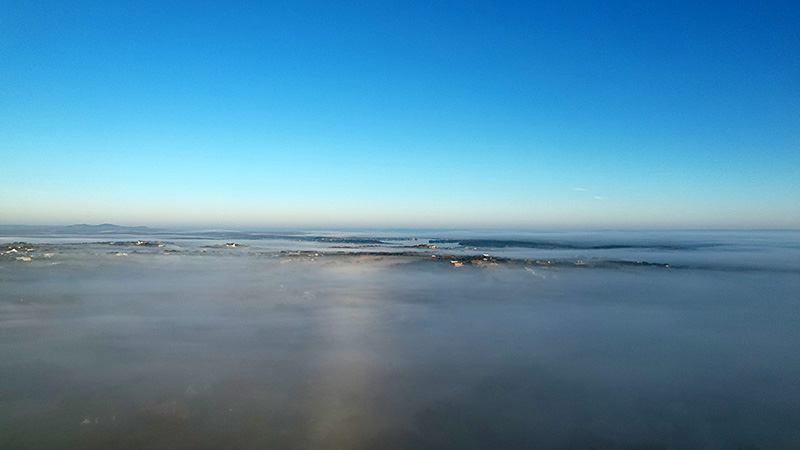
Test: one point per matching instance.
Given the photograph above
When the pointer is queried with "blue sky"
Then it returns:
(401, 114)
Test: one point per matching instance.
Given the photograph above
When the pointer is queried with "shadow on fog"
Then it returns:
(242, 350)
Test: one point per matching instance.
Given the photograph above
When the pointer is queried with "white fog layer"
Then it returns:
(549, 341)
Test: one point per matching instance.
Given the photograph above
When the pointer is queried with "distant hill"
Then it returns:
(83, 228)
(104, 228)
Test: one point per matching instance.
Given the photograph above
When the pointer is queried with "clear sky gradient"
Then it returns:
(401, 114)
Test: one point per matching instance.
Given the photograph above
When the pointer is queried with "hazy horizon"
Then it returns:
(369, 229)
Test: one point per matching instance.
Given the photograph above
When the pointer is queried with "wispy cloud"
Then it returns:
(596, 197)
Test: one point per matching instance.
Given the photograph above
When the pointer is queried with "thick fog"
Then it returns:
(199, 345)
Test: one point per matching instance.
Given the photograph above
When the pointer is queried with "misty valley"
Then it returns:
(657, 340)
